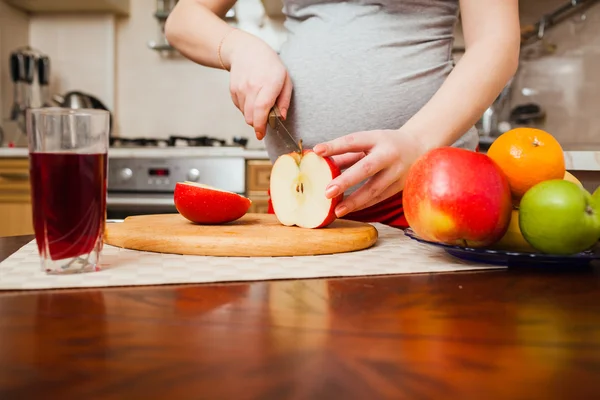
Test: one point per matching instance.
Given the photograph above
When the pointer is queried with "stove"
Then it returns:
(177, 141)
(142, 172)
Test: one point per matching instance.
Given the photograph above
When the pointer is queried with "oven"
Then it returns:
(139, 184)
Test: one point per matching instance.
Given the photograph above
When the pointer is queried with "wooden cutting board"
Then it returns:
(254, 235)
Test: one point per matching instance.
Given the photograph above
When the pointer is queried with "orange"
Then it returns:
(528, 156)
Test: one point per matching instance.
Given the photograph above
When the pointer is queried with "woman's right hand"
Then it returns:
(258, 79)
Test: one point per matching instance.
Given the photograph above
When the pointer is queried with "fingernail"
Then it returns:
(340, 211)
(331, 191)
(283, 113)
(319, 149)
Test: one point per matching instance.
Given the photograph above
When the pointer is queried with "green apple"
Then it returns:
(560, 217)
(596, 196)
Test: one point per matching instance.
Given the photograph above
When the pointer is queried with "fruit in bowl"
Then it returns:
(570, 177)
(528, 156)
(513, 239)
(458, 197)
(204, 204)
(297, 187)
(560, 217)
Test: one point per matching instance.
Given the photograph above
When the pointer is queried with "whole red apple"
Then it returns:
(203, 204)
(457, 197)
(297, 187)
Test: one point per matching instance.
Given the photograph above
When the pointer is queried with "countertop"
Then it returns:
(162, 152)
(502, 334)
(577, 159)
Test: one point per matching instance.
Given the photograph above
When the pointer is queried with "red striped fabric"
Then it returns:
(388, 212)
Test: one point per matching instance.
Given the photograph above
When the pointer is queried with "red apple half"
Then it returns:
(457, 197)
(297, 189)
(203, 204)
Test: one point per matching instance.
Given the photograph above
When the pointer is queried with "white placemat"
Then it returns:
(394, 253)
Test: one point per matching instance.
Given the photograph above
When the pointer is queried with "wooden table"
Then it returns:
(485, 335)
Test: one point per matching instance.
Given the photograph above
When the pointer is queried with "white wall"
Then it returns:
(150, 94)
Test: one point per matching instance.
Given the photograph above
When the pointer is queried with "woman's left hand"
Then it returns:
(382, 156)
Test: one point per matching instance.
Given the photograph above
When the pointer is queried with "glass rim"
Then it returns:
(60, 111)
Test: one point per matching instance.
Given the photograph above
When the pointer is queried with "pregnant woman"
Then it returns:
(371, 83)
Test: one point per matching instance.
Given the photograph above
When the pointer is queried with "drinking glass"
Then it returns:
(68, 160)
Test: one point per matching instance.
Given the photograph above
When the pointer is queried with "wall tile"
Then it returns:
(566, 82)
(81, 50)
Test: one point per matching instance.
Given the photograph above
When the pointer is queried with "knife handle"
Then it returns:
(44, 70)
(29, 68)
(274, 115)
(17, 67)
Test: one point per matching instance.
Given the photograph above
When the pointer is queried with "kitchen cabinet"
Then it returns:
(15, 197)
(117, 7)
(258, 174)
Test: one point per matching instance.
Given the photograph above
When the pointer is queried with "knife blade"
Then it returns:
(275, 123)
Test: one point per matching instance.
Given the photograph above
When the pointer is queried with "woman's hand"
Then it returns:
(258, 79)
(383, 157)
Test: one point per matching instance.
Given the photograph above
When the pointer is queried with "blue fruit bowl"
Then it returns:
(513, 258)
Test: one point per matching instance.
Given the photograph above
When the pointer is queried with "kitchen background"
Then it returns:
(114, 50)
(156, 94)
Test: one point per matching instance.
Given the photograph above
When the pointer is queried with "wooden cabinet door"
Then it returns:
(15, 199)
(260, 205)
(258, 176)
(257, 185)
(16, 219)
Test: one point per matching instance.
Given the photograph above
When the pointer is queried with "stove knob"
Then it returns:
(126, 174)
(193, 174)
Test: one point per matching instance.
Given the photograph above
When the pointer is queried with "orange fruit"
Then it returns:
(528, 156)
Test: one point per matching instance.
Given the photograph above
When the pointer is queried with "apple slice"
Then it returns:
(204, 204)
(297, 189)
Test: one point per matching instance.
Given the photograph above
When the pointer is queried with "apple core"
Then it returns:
(297, 187)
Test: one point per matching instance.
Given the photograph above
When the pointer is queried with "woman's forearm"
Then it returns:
(195, 28)
(471, 87)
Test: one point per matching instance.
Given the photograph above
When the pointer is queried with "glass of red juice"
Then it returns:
(68, 160)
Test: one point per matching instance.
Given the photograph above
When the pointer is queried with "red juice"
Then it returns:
(68, 202)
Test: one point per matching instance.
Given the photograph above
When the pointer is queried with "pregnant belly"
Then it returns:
(344, 84)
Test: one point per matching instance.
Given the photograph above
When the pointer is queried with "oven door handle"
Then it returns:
(138, 201)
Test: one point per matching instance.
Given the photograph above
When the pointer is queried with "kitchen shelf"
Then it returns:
(160, 46)
(117, 7)
(534, 32)
(161, 16)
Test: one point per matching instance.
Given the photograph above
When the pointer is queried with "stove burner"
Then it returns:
(174, 141)
(139, 142)
(197, 141)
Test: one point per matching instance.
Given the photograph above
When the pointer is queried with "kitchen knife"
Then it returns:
(30, 70)
(44, 79)
(17, 73)
(275, 122)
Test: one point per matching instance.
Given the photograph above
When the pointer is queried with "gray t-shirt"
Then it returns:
(364, 65)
